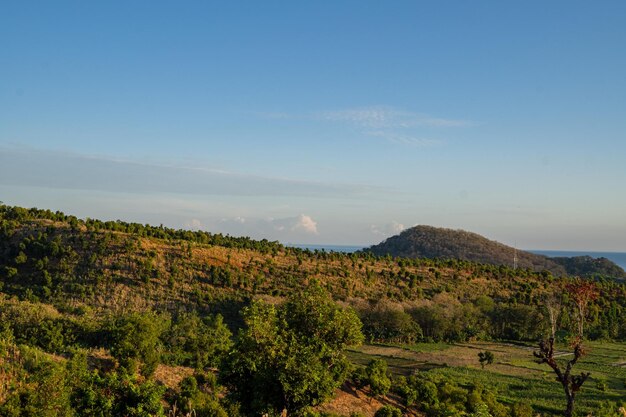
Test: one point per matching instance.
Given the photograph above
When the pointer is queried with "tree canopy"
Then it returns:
(289, 357)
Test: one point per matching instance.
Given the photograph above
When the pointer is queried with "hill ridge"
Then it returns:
(424, 241)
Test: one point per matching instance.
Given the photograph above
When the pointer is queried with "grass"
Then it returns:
(514, 374)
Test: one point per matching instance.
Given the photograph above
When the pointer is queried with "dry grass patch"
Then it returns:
(170, 376)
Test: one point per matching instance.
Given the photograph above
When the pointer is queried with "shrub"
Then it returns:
(377, 377)
(388, 411)
(521, 410)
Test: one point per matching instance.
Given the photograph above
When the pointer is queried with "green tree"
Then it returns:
(388, 411)
(198, 397)
(377, 377)
(291, 357)
(200, 343)
(485, 358)
(481, 411)
(30, 383)
(135, 341)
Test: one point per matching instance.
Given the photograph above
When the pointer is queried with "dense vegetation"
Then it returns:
(586, 266)
(115, 318)
(433, 242)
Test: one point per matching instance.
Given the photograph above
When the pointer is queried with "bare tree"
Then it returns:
(554, 306)
(581, 292)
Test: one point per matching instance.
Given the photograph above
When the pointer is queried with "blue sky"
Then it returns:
(321, 122)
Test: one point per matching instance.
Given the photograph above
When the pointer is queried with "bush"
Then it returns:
(385, 322)
(290, 356)
(602, 385)
(521, 410)
(377, 377)
(359, 377)
(481, 411)
(388, 411)
(485, 358)
(135, 339)
(196, 342)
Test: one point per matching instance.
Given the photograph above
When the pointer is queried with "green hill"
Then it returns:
(433, 242)
(91, 311)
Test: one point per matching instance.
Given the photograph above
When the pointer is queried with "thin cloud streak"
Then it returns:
(394, 125)
(59, 170)
(378, 117)
(405, 139)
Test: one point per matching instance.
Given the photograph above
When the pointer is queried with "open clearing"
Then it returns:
(514, 374)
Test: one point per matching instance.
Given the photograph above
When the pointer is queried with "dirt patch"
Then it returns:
(349, 399)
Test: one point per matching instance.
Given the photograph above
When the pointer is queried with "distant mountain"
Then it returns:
(435, 242)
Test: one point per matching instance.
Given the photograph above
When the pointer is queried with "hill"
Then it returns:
(100, 302)
(114, 266)
(586, 266)
(434, 242)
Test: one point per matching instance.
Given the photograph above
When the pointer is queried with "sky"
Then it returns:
(327, 122)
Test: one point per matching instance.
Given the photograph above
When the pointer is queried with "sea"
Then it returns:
(618, 257)
(328, 248)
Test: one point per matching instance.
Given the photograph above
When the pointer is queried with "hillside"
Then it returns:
(56, 258)
(110, 290)
(116, 266)
(434, 242)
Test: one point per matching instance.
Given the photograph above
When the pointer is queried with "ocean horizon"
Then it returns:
(328, 248)
(618, 257)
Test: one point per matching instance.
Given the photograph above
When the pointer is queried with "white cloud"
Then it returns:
(306, 224)
(285, 229)
(389, 229)
(194, 224)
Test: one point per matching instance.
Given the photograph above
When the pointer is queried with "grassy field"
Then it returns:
(514, 374)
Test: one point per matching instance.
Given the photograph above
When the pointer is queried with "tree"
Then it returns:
(385, 322)
(135, 339)
(290, 357)
(485, 358)
(388, 411)
(379, 381)
(581, 292)
(198, 342)
(481, 411)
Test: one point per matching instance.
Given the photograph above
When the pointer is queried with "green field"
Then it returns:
(514, 374)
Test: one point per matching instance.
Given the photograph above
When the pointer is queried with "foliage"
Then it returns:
(290, 357)
(69, 284)
(432, 242)
(377, 378)
(388, 411)
(198, 397)
(383, 322)
(196, 342)
(521, 410)
(40, 386)
(485, 358)
(135, 341)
